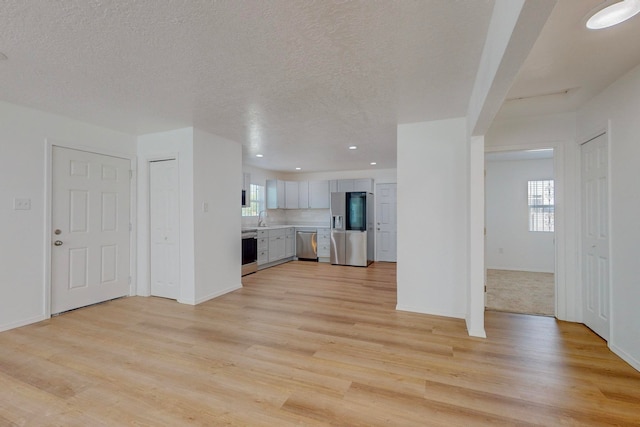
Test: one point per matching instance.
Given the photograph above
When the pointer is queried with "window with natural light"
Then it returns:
(541, 206)
(256, 201)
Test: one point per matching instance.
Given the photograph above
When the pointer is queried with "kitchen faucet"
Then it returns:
(261, 219)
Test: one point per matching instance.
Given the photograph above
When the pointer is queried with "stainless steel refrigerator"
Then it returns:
(352, 232)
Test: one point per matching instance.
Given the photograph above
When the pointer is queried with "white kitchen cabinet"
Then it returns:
(291, 194)
(303, 195)
(360, 184)
(345, 185)
(319, 194)
(275, 194)
(364, 184)
(263, 247)
(290, 242)
(277, 245)
(323, 239)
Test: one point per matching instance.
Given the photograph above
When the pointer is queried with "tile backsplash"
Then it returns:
(291, 216)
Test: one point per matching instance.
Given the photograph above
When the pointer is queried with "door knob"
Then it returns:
(378, 228)
(58, 243)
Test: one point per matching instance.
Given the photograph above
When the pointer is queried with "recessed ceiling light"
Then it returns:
(373, 163)
(298, 169)
(259, 155)
(614, 14)
(353, 147)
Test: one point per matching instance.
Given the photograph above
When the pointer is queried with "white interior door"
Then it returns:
(164, 223)
(386, 227)
(90, 226)
(595, 235)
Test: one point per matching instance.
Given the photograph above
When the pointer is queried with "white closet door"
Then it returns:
(164, 221)
(595, 235)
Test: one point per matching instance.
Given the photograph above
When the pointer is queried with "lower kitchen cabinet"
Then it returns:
(324, 242)
(263, 247)
(277, 245)
(290, 242)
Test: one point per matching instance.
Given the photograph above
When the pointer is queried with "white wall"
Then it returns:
(556, 131)
(23, 172)
(433, 197)
(217, 182)
(509, 243)
(177, 144)
(620, 103)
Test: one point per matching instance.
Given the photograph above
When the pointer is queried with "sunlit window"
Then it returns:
(256, 200)
(541, 206)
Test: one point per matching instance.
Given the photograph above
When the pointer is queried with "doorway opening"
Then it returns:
(520, 247)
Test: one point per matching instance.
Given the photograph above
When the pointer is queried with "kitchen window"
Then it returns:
(541, 205)
(256, 200)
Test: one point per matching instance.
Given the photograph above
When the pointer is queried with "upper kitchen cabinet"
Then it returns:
(346, 185)
(364, 184)
(246, 181)
(319, 194)
(291, 195)
(275, 194)
(303, 195)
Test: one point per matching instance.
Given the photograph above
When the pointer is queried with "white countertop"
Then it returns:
(277, 227)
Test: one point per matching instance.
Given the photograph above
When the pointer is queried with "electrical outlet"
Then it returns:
(21, 204)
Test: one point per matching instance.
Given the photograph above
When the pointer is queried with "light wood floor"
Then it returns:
(307, 344)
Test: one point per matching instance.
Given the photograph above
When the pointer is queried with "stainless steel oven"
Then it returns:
(249, 251)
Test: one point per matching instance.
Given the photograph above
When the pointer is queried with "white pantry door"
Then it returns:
(386, 226)
(595, 234)
(90, 228)
(164, 221)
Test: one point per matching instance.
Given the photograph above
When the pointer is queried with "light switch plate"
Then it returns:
(21, 204)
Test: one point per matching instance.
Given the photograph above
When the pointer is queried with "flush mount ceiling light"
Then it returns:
(353, 147)
(614, 14)
(259, 155)
(298, 169)
(373, 163)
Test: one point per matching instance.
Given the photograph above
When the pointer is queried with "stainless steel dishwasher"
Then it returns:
(306, 245)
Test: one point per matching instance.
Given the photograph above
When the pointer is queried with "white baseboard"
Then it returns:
(426, 310)
(22, 322)
(218, 293)
(625, 356)
(478, 332)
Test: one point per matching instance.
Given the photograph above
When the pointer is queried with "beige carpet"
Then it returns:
(520, 292)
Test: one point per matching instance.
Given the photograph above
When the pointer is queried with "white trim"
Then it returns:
(49, 143)
(425, 310)
(561, 287)
(23, 322)
(211, 296)
(635, 363)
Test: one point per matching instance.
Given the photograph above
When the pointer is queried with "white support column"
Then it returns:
(475, 293)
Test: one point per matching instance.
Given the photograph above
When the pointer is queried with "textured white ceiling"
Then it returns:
(568, 56)
(298, 81)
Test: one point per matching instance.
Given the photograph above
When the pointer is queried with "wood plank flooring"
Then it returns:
(307, 344)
